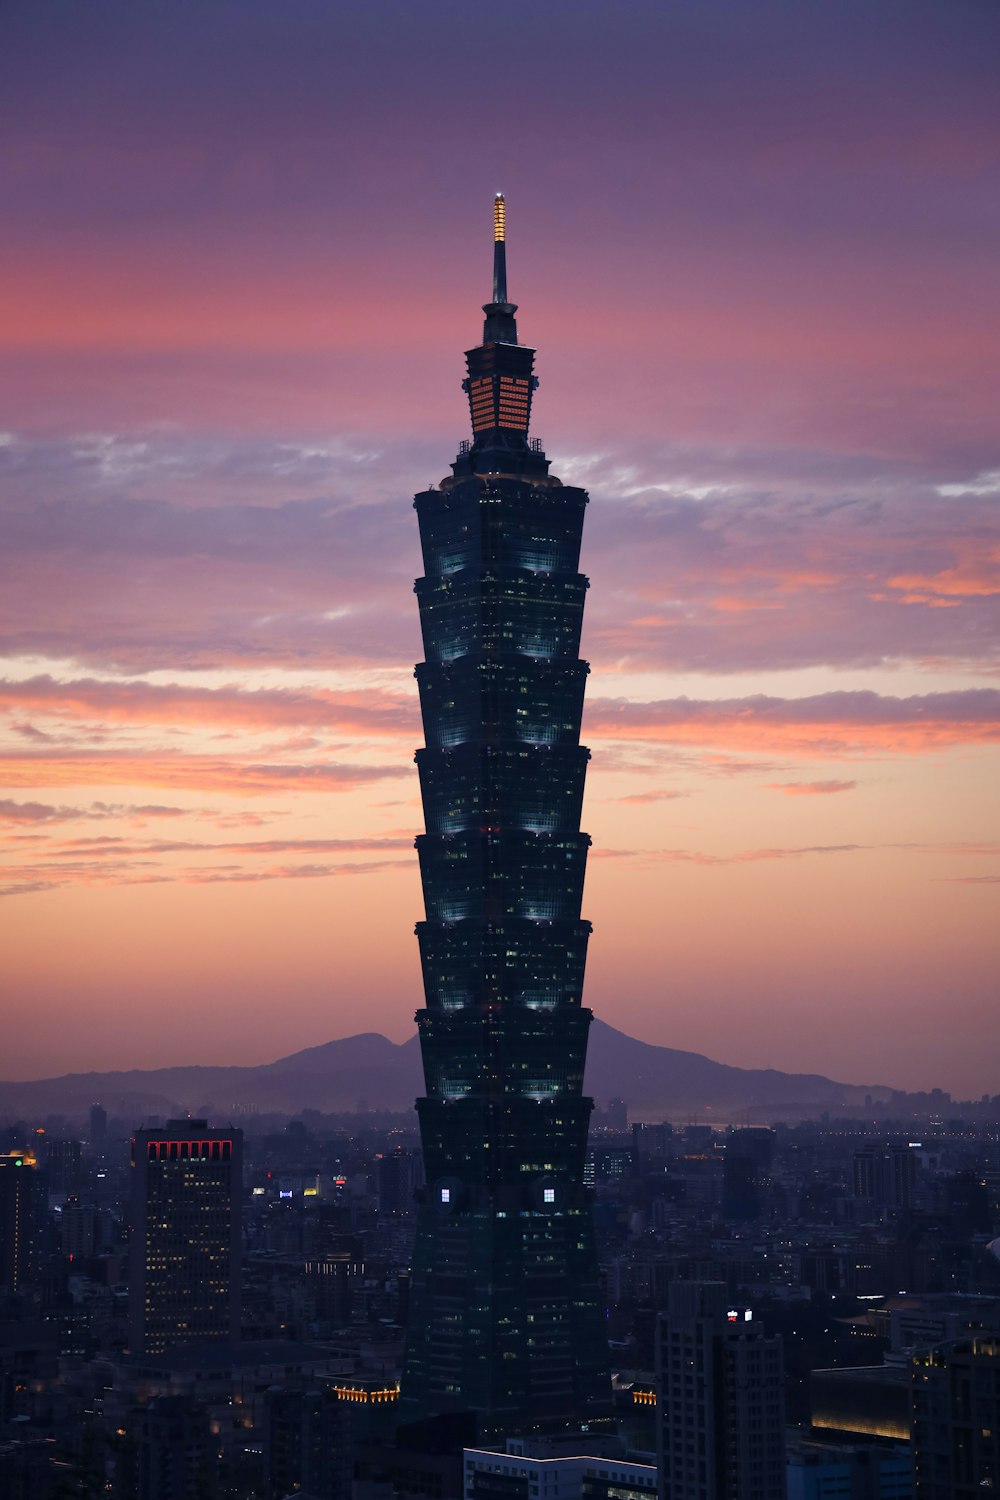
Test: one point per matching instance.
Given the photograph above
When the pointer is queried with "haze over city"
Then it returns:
(755, 248)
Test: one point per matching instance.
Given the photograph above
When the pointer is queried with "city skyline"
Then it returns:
(759, 260)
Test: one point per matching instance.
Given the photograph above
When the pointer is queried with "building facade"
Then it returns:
(720, 1384)
(184, 1247)
(872, 1470)
(534, 1473)
(505, 1313)
(955, 1391)
(19, 1201)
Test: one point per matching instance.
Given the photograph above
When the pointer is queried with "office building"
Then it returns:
(398, 1174)
(848, 1470)
(720, 1386)
(746, 1172)
(505, 1313)
(184, 1263)
(307, 1448)
(333, 1280)
(865, 1400)
(885, 1177)
(63, 1165)
(955, 1391)
(98, 1128)
(175, 1456)
(539, 1471)
(18, 1218)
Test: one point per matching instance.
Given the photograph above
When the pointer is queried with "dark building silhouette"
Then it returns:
(334, 1279)
(505, 1316)
(63, 1164)
(307, 1443)
(955, 1391)
(746, 1172)
(19, 1193)
(184, 1272)
(398, 1174)
(720, 1384)
(885, 1176)
(98, 1127)
(866, 1469)
(175, 1456)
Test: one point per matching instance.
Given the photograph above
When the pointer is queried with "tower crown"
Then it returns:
(500, 382)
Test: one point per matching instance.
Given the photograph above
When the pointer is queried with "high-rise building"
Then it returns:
(720, 1382)
(746, 1172)
(63, 1165)
(398, 1174)
(505, 1311)
(955, 1391)
(334, 1279)
(185, 1218)
(98, 1128)
(18, 1217)
(307, 1446)
(885, 1176)
(175, 1458)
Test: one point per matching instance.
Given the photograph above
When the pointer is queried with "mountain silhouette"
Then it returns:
(368, 1071)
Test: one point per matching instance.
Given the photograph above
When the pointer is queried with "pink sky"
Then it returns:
(246, 246)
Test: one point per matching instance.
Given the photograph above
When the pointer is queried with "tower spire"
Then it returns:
(500, 327)
(499, 249)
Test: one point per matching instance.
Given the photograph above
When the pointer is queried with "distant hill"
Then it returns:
(370, 1072)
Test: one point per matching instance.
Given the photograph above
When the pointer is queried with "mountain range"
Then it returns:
(369, 1072)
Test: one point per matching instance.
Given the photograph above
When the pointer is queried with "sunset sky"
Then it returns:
(756, 245)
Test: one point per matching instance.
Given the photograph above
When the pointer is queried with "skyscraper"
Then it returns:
(18, 1211)
(955, 1391)
(184, 1273)
(720, 1382)
(505, 1312)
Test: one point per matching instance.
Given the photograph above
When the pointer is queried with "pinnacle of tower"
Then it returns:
(500, 327)
(499, 249)
(500, 384)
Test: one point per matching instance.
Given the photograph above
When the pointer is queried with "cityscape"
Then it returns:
(653, 1151)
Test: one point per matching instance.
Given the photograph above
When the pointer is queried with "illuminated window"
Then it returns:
(446, 1195)
(549, 1195)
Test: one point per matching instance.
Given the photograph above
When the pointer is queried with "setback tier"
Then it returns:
(536, 964)
(518, 1142)
(531, 614)
(497, 787)
(508, 874)
(503, 1052)
(484, 523)
(534, 702)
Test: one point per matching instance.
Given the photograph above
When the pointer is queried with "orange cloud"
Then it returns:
(811, 788)
(369, 712)
(827, 724)
(640, 799)
(196, 773)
